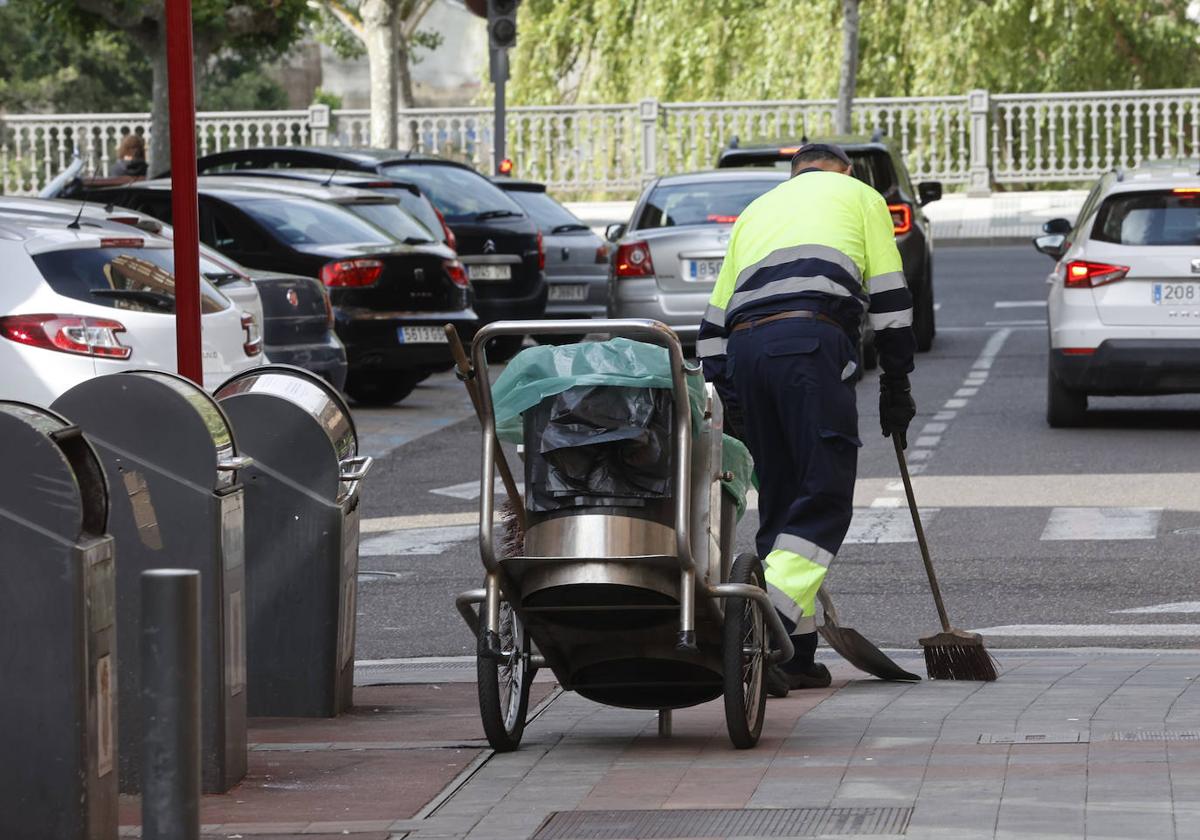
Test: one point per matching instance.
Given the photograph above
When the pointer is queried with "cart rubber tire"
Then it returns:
(1064, 408)
(382, 388)
(501, 711)
(745, 675)
(503, 348)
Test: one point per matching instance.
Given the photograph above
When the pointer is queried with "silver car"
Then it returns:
(576, 258)
(669, 254)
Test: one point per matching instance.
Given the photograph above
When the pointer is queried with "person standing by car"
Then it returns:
(780, 340)
(131, 157)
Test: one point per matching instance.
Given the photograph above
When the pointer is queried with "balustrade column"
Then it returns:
(648, 112)
(979, 176)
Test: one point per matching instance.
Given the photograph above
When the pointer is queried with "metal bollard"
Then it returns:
(170, 652)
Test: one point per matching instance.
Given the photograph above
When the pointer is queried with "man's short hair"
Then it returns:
(811, 154)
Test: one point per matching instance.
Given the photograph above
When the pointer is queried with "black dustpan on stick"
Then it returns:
(856, 649)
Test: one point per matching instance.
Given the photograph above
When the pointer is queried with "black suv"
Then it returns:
(392, 285)
(496, 241)
(879, 163)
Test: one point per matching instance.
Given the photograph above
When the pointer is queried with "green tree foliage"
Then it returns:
(678, 50)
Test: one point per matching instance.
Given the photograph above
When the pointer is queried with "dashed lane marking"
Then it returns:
(1020, 304)
(469, 490)
(1097, 523)
(1090, 631)
(1170, 491)
(1175, 608)
(1028, 323)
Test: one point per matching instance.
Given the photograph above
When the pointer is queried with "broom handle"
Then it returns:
(467, 375)
(916, 518)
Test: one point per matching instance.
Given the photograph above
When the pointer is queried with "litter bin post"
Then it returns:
(172, 463)
(57, 633)
(170, 648)
(302, 501)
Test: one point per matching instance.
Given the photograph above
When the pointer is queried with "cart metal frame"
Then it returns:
(692, 583)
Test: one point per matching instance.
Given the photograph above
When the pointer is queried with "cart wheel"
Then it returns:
(745, 658)
(504, 683)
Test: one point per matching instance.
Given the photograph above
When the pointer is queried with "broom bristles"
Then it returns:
(512, 544)
(959, 662)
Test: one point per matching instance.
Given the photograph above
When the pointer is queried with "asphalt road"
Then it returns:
(1029, 526)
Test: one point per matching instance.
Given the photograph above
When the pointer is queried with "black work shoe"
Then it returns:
(777, 682)
(813, 676)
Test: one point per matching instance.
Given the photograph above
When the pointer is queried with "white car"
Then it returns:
(100, 298)
(1124, 305)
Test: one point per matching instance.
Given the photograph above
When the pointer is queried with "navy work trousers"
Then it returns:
(794, 383)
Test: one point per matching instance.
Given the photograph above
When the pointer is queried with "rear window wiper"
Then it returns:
(417, 240)
(220, 278)
(163, 301)
(569, 227)
(496, 214)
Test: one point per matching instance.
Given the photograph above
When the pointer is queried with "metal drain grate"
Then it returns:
(1191, 735)
(1034, 738)
(706, 823)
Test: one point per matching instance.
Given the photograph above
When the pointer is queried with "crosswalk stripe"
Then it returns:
(1097, 523)
(1172, 491)
(416, 541)
(1083, 631)
(1176, 608)
(877, 525)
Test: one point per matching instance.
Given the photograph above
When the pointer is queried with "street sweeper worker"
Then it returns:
(806, 261)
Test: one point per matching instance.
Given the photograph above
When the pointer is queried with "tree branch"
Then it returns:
(411, 20)
(347, 18)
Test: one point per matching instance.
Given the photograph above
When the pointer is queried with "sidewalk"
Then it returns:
(1000, 217)
(1070, 743)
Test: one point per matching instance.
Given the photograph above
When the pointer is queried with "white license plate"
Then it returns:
(421, 335)
(1176, 294)
(486, 271)
(703, 271)
(571, 293)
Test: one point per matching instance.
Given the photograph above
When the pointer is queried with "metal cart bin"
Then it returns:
(171, 459)
(57, 634)
(302, 498)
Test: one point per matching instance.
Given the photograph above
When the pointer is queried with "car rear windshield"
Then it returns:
(547, 214)
(1161, 217)
(304, 222)
(716, 202)
(461, 194)
(419, 208)
(137, 279)
(392, 218)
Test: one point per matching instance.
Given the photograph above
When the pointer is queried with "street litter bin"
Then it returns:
(57, 635)
(172, 463)
(302, 498)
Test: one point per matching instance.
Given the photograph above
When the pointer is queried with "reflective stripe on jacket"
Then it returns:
(821, 240)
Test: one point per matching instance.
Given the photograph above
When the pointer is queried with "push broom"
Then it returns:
(952, 654)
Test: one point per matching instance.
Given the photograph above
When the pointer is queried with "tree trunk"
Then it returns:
(158, 147)
(848, 79)
(404, 86)
(380, 26)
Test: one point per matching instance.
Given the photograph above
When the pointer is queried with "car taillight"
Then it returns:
(1089, 275)
(541, 252)
(602, 255)
(633, 260)
(351, 272)
(901, 218)
(122, 242)
(252, 335)
(505, 167)
(451, 239)
(77, 334)
(722, 219)
(456, 273)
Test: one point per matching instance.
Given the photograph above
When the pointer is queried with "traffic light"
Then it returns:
(502, 23)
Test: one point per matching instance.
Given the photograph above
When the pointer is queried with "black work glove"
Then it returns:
(896, 407)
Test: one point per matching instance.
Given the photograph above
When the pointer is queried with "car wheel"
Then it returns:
(504, 348)
(1064, 408)
(382, 388)
(557, 339)
(924, 326)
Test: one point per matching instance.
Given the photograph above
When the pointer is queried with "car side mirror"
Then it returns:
(1051, 244)
(928, 192)
(614, 232)
(1057, 226)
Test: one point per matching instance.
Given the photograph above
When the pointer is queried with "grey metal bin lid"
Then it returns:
(305, 390)
(66, 491)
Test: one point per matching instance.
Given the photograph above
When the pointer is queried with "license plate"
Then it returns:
(703, 271)
(577, 292)
(1172, 294)
(421, 335)
(486, 271)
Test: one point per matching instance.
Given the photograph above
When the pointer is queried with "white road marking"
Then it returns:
(1096, 523)
(956, 404)
(1090, 630)
(417, 541)
(885, 525)
(966, 392)
(945, 417)
(886, 502)
(919, 454)
(1172, 491)
(1020, 304)
(991, 350)
(383, 524)
(1030, 323)
(928, 441)
(469, 490)
(1176, 608)
(933, 428)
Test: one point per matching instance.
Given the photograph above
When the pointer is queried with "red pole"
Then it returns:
(185, 214)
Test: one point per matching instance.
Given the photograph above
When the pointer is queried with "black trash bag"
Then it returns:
(598, 445)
